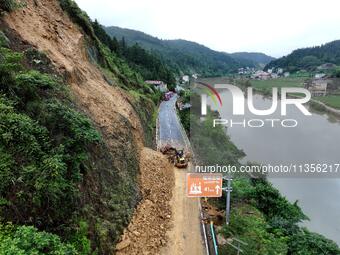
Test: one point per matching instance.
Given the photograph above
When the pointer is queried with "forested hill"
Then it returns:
(309, 58)
(257, 57)
(182, 55)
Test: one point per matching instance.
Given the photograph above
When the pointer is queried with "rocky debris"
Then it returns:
(123, 244)
(220, 238)
(211, 212)
(146, 233)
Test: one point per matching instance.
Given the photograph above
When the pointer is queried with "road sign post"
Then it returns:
(228, 190)
(204, 185)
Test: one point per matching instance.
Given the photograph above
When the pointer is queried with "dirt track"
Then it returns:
(185, 236)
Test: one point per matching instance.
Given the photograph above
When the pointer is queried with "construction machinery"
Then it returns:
(176, 157)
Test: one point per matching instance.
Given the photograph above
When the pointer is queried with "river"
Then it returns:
(316, 139)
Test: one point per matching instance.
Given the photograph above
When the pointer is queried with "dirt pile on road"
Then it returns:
(146, 233)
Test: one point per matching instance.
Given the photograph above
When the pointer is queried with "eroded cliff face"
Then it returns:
(44, 25)
(109, 190)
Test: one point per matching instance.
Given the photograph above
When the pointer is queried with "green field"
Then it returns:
(265, 86)
(331, 100)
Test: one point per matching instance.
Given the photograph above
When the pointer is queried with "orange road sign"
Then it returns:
(204, 185)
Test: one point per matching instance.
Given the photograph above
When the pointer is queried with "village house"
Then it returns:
(326, 66)
(286, 74)
(195, 76)
(261, 75)
(319, 75)
(279, 71)
(274, 75)
(317, 87)
(159, 85)
(185, 78)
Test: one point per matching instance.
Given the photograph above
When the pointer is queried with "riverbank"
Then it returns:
(260, 216)
(320, 106)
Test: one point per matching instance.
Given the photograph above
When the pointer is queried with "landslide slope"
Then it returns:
(111, 95)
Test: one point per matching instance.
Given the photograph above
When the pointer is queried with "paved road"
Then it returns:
(185, 236)
(170, 131)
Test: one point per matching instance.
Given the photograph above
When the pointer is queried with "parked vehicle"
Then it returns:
(168, 95)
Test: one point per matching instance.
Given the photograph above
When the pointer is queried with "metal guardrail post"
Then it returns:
(228, 189)
(213, 236)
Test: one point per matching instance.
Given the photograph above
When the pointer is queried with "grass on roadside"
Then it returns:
(330, 100)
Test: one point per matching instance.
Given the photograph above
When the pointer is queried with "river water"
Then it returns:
(316, 139)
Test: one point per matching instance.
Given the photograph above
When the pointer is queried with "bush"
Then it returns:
(38, 178)
(305, 242)
(8, 5)
(25, 240)
(273, 204)
(43, 146)
(78, 16)
(248, 224)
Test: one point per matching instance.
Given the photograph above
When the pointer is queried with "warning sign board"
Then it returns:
(204, 185)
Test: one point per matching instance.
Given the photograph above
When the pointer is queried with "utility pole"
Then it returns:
(228, 190)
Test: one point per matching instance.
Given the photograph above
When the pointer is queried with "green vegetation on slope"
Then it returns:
(309, 58)
(59, 178)
(265, 220)
(8, 5)
(183, 56)
(44, 145)
(259, 59)
(25, 240)
(149, 65)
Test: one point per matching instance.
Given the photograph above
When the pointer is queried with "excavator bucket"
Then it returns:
(176, 157)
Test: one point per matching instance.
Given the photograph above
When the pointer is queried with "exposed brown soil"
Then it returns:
(45, 26)
(146, 233)
(211, 212)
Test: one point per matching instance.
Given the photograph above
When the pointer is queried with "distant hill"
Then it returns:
(256, 57)
(309, 58)
(185, 56)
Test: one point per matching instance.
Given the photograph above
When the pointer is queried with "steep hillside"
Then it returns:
(74, 119)
(309, 58)
(149, 65)
(256, 57)
(183, 56)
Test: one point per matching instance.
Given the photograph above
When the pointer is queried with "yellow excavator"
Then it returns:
(176, 157)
